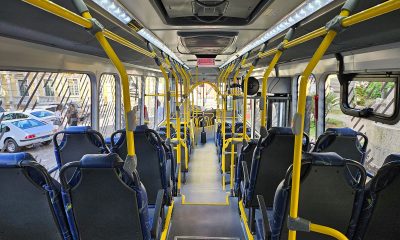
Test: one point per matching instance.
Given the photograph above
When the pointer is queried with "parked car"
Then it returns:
(43, 115)
(18, 133)
(5, 116)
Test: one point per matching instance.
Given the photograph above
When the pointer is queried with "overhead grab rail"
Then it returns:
(278, 54)
(380, 9)
(66, 14)
(343, 20)
(97, 30)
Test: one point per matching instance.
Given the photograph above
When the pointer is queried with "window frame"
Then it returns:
(345, 79)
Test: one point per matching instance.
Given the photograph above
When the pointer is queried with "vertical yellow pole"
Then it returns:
(299, 122)
(124, 82)
(268, 71)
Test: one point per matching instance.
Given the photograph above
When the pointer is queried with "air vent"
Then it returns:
(209, 12)
(207, 43)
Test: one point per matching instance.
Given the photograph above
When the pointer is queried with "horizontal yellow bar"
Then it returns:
(380, 9)
(127, 43)
(57, 10)
(305, 38)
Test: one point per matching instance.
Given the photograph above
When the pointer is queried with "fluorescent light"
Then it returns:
(149, 36)
(304, 10)
(115, 9)
(118, 11)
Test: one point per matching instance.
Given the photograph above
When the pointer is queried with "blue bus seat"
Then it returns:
(329, 196)
(30, 201)
(380, 215)
(155, 169)
(76, 142)
(343, 141)
(106, 202)
(246, 155)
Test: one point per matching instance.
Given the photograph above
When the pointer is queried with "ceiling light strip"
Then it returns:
(303, 11)
(115, 9)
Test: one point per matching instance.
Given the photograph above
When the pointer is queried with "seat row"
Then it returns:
(270, 159)
(101, 200)
(77, 170)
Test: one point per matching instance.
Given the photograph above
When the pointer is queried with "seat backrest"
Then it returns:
(30, 204)
(272, 157)
(76, 142)
(151, 158)
(105, 202)
(329, 195)
(343, 141)
(380, 215)
(246, 155)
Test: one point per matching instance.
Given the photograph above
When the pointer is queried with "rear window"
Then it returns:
(25, 124)
(42, 114)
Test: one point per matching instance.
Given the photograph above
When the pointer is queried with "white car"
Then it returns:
(18, 133)
(43, 115)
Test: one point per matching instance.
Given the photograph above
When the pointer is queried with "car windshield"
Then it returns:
(29, 123)
(42, 114)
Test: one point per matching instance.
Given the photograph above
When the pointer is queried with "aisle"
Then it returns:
(204, 180)
(207, 213)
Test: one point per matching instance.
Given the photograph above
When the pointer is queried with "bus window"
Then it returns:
(107, 104)
(135, 87)
(382, 137)
(160, 100)
(150, 100)
(310, 123)
(61, 99)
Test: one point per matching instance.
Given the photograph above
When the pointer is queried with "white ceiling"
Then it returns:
(145, 13)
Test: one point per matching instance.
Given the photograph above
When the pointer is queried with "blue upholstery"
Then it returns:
(342, 131)
(77, 141)
(246, 154)
(349, 200)
(38, 174)
(271, 149)
(119, 146)
(343, 141)
(78, 129)
(380, 213)
(103, 161)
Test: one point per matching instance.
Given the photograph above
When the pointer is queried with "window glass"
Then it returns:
(382, 138)
(66, 96)
(135, 87)
(310, 123)
(42, 114)
(150, 102)
(26, 124)
(161, 101)
(373, 92)
(107, 104)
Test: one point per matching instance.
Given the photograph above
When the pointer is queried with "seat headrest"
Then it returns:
(78, 129)
(141, 128)
(280, 131)
(324, 158)
(392, 158)
(13, 160)
(100, 160)
(342, 131)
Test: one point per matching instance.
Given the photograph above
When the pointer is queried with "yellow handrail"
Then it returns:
(125, 87)
(295, 190)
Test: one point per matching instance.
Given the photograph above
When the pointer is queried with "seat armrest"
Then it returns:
(156, 228)
(246, 177)
(266, 229)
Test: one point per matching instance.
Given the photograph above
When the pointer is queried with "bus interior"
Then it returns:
(199, 120)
